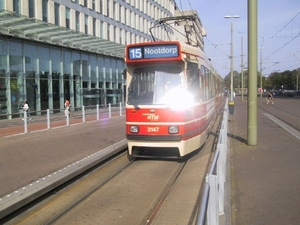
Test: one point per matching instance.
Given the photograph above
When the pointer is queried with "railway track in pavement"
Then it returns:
(142, 191)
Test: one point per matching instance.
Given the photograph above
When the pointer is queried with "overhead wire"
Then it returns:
(273, 36)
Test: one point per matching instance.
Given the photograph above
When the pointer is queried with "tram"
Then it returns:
(173, 94)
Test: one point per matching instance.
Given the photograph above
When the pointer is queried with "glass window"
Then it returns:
(45, 10)
(86, 24)
(2, 5)
(30, 52)
(108, 8)
(93, 62)
(17, 81)
(154, 85)
(3, 52)
(101, 68)
(114, 11)
(57, 14)
(77, 87)
(94, 27)
(120, 66)
(16, 6)
(76, 63)
(31, 90)
(31, 7)
(101, 6)
(93, 4)
(56, 71)
(113, 66)
(67, 17)
(115, 34)
(67, 62)
(56, 60)
(107, 68)
(77, 21)
(85, 67)
(193, 80)
(44, 58)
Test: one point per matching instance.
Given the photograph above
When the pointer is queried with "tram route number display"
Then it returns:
(151, 52)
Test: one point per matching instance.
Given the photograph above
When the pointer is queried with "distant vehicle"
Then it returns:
(173, 94)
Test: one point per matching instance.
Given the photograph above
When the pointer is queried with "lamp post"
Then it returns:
(231, 55)
(261, 90)
(242, 68)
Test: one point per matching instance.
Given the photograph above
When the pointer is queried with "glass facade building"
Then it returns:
(52, 50)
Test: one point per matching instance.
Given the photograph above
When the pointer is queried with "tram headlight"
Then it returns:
(134, 129)
(173, 129)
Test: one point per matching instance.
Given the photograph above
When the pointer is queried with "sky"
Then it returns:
(278, 23)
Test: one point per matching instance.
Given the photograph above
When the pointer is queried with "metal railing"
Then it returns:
(47, 119)
(213, 192)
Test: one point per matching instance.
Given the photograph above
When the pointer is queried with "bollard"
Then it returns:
(83, 114)
(109, 110)
(25, 122)
(48, 119)
(98, 112)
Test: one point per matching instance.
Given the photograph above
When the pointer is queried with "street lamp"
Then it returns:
(231, 55)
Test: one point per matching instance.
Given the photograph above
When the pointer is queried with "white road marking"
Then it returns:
(288, 128)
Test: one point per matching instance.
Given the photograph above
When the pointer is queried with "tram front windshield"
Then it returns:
(155, 85)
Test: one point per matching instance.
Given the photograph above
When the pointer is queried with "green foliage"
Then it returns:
(286, 80)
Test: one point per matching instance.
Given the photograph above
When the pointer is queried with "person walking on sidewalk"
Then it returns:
(67, 107)
(269, 97)
(26, 109)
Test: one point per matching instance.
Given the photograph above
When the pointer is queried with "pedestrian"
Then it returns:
(67, 107)
(26, 109)
(269, 97)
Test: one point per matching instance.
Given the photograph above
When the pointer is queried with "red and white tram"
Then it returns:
(172, 96)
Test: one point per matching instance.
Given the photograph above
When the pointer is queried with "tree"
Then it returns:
(286, 80)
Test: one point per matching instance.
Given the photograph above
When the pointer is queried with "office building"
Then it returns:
(52, 50)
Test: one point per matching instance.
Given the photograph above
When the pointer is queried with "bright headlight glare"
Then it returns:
(173, 129)
(179, 100)
(134, 129)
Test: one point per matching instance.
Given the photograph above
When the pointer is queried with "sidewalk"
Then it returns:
(265, 183)
(40, 122)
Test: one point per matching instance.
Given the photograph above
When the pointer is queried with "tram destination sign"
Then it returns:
(153, 51)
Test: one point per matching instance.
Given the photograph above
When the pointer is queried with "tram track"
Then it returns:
(63, 199)
(138, 192)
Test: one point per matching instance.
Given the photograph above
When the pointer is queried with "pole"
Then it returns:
(231, 63)
(252, 73)
(242, 68)
(261, 72)
(297, 86)
(231, 103)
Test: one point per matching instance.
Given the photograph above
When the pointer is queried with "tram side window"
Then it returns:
(193, 79)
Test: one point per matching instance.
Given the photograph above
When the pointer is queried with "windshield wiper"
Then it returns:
(132, 96)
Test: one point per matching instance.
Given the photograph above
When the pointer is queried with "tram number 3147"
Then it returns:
(152, 129)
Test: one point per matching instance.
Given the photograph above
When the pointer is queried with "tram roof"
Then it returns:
(32, 29)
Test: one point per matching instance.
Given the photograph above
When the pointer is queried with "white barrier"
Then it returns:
(213, 195)
(66, 116)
